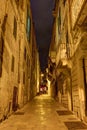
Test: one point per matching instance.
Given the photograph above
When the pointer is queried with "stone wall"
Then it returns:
(9, 77)
(15, 57)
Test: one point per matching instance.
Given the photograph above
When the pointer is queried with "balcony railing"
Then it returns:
(76, 8)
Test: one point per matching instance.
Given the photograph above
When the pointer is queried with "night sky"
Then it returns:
(43, 21)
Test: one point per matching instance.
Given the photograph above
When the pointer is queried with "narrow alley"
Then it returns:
(42, 113)
(43, 64)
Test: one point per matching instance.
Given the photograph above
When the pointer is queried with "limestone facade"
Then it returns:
(63, 54)
(79, 52)
(71, 59)
(16, 37)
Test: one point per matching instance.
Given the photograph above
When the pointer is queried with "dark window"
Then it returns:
(23, 77)
(51, 69)
(1, 53)
(67, 37)
(15, 28)
(18, 73)
(59, 20)
(17, 3)
(27, 60)
(25, 53)
(64, 1)
(67, 46)
(4, 23)
(12, 64)
(22, 4)
(15, 99)
(1, 45)
(0, 67)
(28, 66)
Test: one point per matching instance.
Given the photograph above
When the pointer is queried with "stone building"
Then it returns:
(17, 42)
(71, 51)
(79, 56)
(62, 53)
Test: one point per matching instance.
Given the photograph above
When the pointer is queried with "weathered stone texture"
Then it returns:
(16, 69)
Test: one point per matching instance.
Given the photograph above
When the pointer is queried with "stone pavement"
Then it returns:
(42, 113)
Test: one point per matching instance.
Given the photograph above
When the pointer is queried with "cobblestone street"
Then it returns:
(42, 113)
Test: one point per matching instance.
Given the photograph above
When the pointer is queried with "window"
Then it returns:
(23, 77)
(67, 45)
(15, 28)
(64, 1)
(12, 64)
(4, 23)
(25, 53)
(59, 20)
(67, 37)
(28, 68)
(1, 53)
(28, 23)
(27, 60)
(22, 4)
(17, 3)
(18, 73)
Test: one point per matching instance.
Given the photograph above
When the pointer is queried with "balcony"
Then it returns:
(78, 12)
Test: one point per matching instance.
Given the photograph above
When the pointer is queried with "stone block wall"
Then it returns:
(15, 58)
(9, 76)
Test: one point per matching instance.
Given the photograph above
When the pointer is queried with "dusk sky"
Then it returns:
(43, 20)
